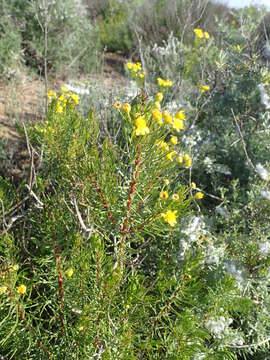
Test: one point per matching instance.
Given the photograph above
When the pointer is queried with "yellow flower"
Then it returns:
(159, 97)
(75, 98)
(180, 115)
(166, 182)
(203, 88)
(160, 81)
(126, 108)
(193, 185)
(206, 35)
(134, 68)
(21, 289)
(187, 161)
(168, 83)
(3, 289)
(138, 65)
(59, 108)
(117, 105)
(164, 83)
(51, 94)
(199, 33)
(70, 272)
(157, 105)
(180, 159)
(199, 195)
(157, 116)
(173, 140)
(178, 124)
(175, 197)
(163, 145)
(141, 127)
(141, 75)
(170, 155)
(167, 117)
(64, 89)
(170, 217)
(61, 98)
(164, 195)
(129, 65)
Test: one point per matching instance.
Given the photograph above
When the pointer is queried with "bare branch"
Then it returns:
(87, 230)
(243, 142)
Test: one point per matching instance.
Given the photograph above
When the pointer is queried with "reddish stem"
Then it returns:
(103, 200)
(96, 341)
(97, 269)
(130, 198)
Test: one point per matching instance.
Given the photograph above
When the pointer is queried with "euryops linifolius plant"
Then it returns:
(107, 265)
(103, 232)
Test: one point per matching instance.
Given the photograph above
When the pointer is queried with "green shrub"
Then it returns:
(115, 33)
(72, 42)
(10, 48)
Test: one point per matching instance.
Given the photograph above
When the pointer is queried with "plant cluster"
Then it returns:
(146, 235)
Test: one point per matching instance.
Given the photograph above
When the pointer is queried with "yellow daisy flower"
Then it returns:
(70, 272)
(180, 115)
(167, 117)
(126, 108)
(163, 145)
(199, 195)
(141, 127)
(21, 289)
(164, 195)
(117, 105)
(174, 140)
(159, 97)
(157, 116)
(166, 182)
(171, 155)
(3, 289)
(157, 105)
(170, 217)
(178, 124)
(199, 33)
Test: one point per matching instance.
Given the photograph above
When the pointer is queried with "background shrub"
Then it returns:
(72, 42)
(10, 47)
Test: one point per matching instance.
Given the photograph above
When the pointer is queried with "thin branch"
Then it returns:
(260, 343)
(243, 142)
(88, 230)
(45, 5)
(39, 204)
